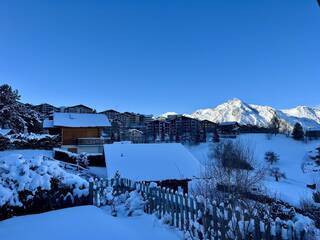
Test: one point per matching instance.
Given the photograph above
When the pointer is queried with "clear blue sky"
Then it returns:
(161, 55)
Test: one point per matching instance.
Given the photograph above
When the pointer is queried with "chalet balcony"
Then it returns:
(93, 141)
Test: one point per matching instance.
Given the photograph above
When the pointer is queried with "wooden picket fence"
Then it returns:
(199, 217)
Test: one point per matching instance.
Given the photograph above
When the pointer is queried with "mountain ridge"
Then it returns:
(236, 110)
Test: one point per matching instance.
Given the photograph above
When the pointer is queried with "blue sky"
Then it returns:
(166, 55)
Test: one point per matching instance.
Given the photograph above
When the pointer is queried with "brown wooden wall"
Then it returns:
(70, 135)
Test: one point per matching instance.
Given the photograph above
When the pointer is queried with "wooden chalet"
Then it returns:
(79, 132)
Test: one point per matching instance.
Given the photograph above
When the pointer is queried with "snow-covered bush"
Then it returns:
(34, 183)
(271, 157)
(34, 141)
(124, 204)
(94, 159)
(135, 204)
(29, 141)
(82, 160)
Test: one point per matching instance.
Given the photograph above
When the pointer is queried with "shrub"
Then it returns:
(316, 196)
(297, 132)
(4, 143)
(277, 174)
(271, 157)
(36, 185)
(232, 165)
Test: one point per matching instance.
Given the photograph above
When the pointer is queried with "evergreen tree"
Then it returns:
(297, 132)
(215, 137)
(271, 157)
(275, 124)
(16, 115)
(8, 96)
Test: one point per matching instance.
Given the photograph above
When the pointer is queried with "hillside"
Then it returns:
(292, 155)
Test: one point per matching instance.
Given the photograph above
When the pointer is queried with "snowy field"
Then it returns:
(292, 155)
(83, 223)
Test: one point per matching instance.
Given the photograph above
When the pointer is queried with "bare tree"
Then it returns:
(231, 168)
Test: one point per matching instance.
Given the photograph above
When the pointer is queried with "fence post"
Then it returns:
(90, 193)
(257, 231)
(176, 206)
(172, 207)
(215, 220)
(181, 211)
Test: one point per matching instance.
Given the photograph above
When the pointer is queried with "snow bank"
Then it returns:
(74, 223)
(19, 173)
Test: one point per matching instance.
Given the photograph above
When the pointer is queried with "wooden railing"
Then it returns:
(92, 141)
(199, 217)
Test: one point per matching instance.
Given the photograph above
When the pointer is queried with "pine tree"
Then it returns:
(16, 115)
(215, 137)
(271, 157)
(275, 125)
(297, 132)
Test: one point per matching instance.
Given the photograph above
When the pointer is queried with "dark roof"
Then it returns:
(81, 105)
(208, 121)
(110, 110)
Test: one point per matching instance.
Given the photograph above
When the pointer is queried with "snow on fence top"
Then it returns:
(4, 132)
(151, 162)
(77, 120)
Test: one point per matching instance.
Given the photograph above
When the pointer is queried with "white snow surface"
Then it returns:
(292, 155)
(78, 120)
(151, 162)
(83, 223)
(236, 110)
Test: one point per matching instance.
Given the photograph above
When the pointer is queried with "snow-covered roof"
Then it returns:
(4, 132)
(151, 162)
(47, 123)
(77, 120)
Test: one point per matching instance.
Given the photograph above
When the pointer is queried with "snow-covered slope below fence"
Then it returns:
(84, 223)
(292, 155)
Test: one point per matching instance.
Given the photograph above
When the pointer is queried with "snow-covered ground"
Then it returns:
(83, 223)
(292, 155)
(27, 153)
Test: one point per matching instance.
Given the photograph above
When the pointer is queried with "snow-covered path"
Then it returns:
(84, 223)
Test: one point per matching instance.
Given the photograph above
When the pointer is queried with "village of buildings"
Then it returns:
(194, 120)
(92, 152)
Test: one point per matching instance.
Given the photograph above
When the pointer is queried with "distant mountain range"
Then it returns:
(236, 110)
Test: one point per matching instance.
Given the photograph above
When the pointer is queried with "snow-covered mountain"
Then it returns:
(236, 110)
